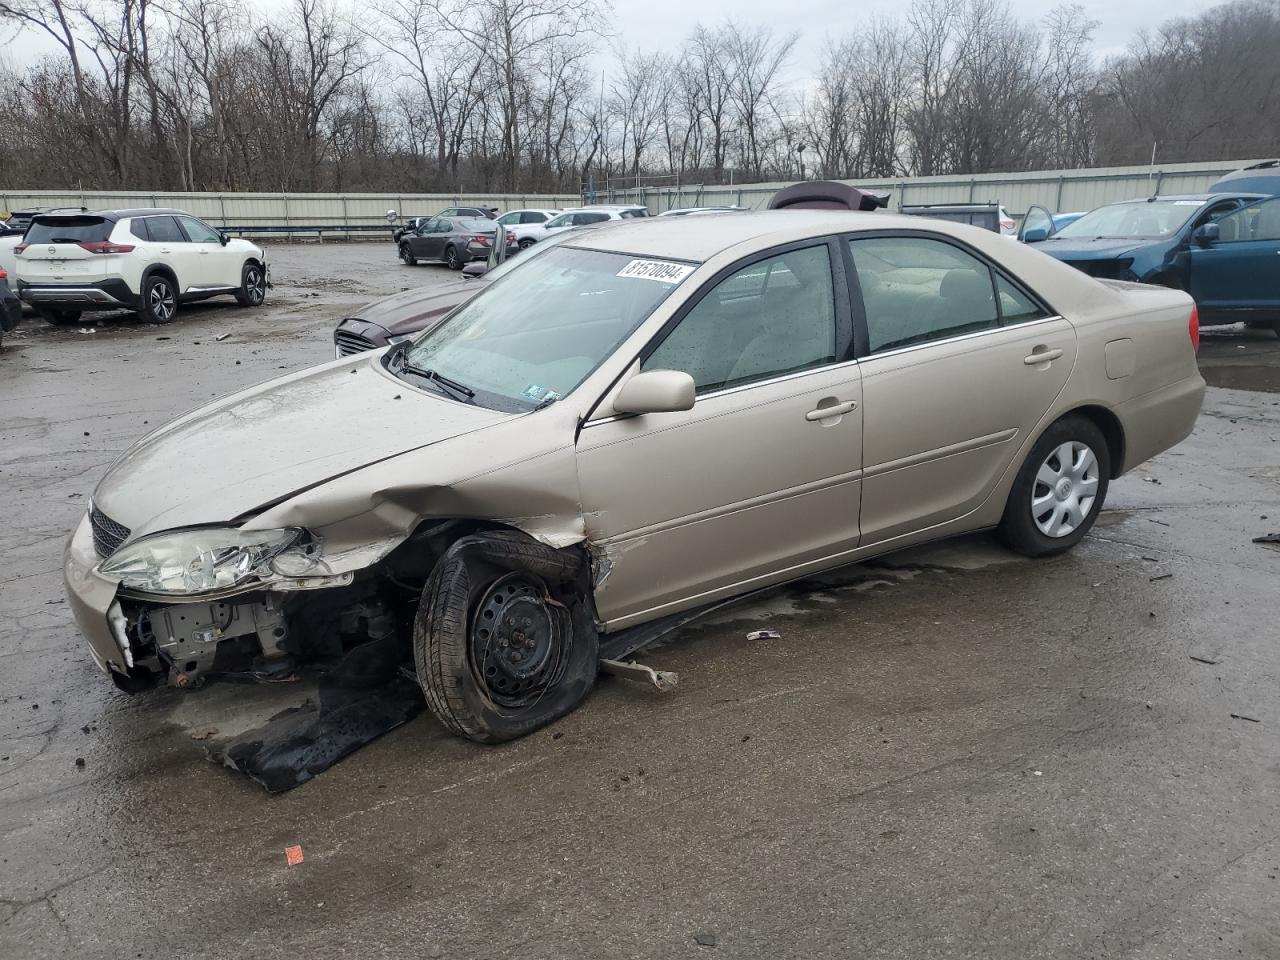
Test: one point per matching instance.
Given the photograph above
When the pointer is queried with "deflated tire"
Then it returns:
(504, 640)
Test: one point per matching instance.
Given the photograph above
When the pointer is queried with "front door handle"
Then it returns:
(1041, 356)
(835, 410)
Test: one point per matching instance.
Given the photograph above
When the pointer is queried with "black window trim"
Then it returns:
(844, 325)
(854, 293)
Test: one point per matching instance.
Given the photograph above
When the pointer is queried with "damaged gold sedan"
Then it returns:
(646, 421)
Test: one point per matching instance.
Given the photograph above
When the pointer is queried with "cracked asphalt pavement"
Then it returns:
(952, 752)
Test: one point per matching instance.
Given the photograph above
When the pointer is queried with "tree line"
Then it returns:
(542, 96)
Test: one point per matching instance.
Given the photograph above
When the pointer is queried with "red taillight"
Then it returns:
(4, 274)
(105, 246)
(480, 238)
(20, 247)
(1193, 328)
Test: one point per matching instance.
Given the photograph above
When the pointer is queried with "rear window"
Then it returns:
(68, 230)
(632, 214)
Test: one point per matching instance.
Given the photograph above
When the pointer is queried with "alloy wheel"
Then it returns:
(1065, 489)
(160, 301)
(255, 285)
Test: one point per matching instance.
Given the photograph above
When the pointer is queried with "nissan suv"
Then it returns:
(148, 260)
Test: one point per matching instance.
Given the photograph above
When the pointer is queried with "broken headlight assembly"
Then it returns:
(202, 560)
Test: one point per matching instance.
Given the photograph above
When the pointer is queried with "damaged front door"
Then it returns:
(761, 478)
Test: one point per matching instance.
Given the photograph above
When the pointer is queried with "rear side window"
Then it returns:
(632, 214)
(163, 230)
(68, 230)
(916, 290)
(533, 216)
(590, 218)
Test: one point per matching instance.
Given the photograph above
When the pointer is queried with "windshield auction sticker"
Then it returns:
(659, 270)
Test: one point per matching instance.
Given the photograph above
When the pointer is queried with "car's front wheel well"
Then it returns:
(1112, 431)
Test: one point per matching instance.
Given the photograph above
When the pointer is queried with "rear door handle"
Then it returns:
(835, 410)
(1041, 356)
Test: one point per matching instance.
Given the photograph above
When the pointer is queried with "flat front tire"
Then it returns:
(503, 641)
(1059, 490)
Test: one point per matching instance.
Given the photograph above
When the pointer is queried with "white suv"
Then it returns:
(597, 214)
(149, 260)
(529, 226)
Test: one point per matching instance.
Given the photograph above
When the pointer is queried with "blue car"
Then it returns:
(1222, 248)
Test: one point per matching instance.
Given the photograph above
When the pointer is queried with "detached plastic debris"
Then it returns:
(1268, 538)
(764, 635)
(293, 855)
(362, 697)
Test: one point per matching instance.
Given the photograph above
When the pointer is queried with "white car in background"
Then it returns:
(529, 226)
(148, 260)
(585, 215)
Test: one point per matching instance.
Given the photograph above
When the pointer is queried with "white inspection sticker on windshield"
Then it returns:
(659, 270)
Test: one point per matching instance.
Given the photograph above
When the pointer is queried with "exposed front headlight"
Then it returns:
(199, 560)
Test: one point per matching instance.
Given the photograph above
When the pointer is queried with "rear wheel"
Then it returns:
(406, 254)
(159, 299)
(1059, 489)
(60, 318)
(253, 286)
(452, 258)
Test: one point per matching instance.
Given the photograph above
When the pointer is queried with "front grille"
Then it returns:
(107, 534)
(349, 343)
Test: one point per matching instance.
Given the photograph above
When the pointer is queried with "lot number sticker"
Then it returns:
(659, 270)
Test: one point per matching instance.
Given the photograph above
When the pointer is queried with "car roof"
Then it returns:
(700, 238)
(612, 206)
(117, 214)
(1200, 197)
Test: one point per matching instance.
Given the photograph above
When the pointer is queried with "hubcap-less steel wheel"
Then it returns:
(516, 643)
(160, 301)
(1065, 488)
(255, 285)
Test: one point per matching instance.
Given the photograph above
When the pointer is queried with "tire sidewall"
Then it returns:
(151, 281)
(406, 254)
(244, 296)
(451, 258)
(1018, 527)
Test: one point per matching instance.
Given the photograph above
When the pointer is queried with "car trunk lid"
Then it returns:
(66, 250)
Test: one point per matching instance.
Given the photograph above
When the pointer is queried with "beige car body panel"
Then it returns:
(677, 509)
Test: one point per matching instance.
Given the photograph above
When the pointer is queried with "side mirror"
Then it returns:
(1205, 234)
(392, 216)
(1035, 235)
(656, 391)
(223, 238)
(476, 268)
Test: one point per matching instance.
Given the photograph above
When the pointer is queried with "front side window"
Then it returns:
(916, 289)
(198, 232)
(772, 317)
(1258, 221)
(564, 220)
(534, 334)
(509, 219)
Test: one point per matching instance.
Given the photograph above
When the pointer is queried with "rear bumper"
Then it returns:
(104, 294)
(1161, 419)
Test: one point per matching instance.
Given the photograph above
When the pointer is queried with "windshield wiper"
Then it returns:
(461, 389)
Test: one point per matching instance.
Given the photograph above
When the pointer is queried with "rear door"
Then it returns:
(960, 364)
(60, 249)
(1239, 272)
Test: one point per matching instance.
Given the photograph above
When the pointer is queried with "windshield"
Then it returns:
(534, 334)
(1124, 221)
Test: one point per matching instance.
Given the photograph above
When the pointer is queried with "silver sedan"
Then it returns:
(642, 422)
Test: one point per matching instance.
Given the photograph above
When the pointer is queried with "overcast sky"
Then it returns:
(662, 24)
